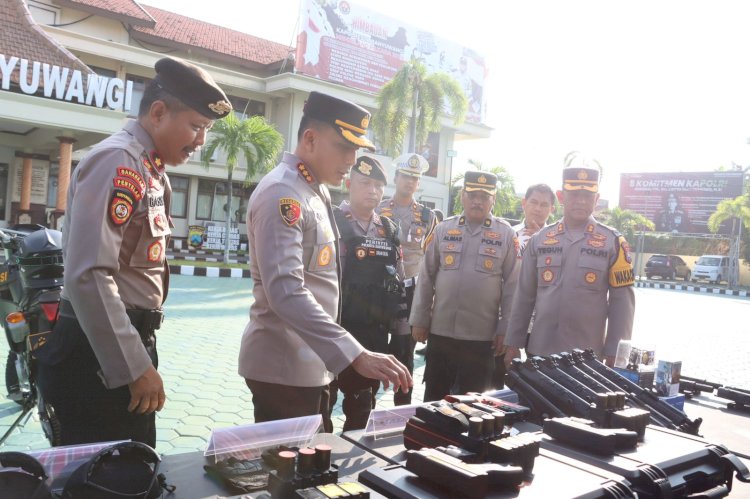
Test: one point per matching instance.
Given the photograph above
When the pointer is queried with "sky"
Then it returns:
(641, 86)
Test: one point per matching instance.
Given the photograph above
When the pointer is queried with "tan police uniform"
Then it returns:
(464, 293)
(292, 337)
(114, 238)
(580, 283)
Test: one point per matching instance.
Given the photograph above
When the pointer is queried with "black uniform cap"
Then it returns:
(581, 179)
(193, 86)
(370, 167)
(349, 119)
(480, 181)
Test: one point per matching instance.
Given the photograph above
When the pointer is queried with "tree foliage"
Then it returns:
(731, 209)
(625, 221)
(506, 199)
(413, 97)
(252, 138)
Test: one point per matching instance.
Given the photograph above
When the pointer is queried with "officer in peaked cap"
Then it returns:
(373, 300)
(578, 274)
(98, 367)
(464, 293)
(416, 222)
(347, 118)
(293, 345)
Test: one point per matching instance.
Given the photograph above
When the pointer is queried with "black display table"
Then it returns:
(186, 470)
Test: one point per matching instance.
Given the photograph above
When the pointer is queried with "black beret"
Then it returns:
(193, 86)
(480, 181)
(349, 119)
(581, 179)
(370, 167)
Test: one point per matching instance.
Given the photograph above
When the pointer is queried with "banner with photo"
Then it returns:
(350, 44)
(679, 202)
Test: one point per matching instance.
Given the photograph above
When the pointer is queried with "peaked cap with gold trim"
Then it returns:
(347, 118)
(371, 168)
(581, 179)
(480, 181)
(193, 86)
(411, 164)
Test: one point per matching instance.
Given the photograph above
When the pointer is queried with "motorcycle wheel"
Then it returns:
(11, 379)
(50, 423)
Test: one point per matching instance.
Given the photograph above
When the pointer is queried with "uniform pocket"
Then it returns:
(548, 268)
(591, 273)
(450, 255)
(323, 255)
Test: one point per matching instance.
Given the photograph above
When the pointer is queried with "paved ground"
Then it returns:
(198, 348)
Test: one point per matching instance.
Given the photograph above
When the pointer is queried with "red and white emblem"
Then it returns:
(154, 251)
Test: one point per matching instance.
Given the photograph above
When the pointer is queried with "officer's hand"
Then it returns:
(147, 393)
(497, 345)
(510, 354)
(383, 368)
(419, 333)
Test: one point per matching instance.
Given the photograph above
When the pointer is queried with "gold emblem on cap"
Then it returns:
(220, 107)
(364, 168)
(482, 179)
(582, 175)
(413, 161)
(365, 122)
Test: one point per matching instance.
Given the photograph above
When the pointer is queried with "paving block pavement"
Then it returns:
(198, 348)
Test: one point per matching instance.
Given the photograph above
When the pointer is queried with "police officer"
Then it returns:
(98, 369)
(372, 290)
(578, 274)
(293, 346)
(464, 293)
(416, 223)
(538, 204)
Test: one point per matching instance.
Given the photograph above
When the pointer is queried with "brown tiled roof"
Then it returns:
(21, 37)
(124, 10)
(188, 32)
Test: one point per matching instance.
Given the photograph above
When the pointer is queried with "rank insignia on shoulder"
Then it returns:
(290, 210)
(156, 161)
(487, 222)
(120, 210)
(305, 173)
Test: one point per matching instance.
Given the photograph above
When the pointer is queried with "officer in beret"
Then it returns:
(464, 292)
(293, 345)
(578, 274)
(416, 223)
(98, 368)
(372, 291)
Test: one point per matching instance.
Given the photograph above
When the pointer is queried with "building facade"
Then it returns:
(73, 71)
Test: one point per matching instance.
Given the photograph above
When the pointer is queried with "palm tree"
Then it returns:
(506, 200)
(734, 209)
(259, 142)
(414, 97)
(626, 221)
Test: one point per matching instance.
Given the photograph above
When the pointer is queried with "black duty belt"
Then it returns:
(143, 320)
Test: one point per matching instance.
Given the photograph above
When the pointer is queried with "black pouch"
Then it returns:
(53, 347)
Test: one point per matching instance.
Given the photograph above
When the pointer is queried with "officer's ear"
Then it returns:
(158, 111)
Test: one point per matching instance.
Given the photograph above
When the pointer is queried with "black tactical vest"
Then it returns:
(370, 287)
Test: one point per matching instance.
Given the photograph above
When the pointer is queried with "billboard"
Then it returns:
(679, 202)
(349, 44)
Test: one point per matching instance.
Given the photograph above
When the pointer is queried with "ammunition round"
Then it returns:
(285, 463)
(322, 457)
(306, 460)
(475, 426)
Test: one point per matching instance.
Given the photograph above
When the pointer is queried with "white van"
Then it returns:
(714, 268)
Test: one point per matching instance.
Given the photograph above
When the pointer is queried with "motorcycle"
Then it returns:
(31, 280)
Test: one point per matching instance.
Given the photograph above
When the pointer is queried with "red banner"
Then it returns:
(679, 202)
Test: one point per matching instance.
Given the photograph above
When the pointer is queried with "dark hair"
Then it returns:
(155, 92)
(541, 189)
(307, 122)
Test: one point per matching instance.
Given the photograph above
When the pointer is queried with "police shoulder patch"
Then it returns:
(120, 210)
(291, 210)
(621, 272)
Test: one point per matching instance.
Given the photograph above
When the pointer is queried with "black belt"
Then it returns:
(143, 320)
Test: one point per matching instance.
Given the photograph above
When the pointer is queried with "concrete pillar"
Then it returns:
(25, 204)
(63, 180)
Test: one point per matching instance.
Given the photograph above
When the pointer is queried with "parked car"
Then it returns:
(667, 267)
(714, 268)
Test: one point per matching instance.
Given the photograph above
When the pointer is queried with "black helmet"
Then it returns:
(24, 477)
(40, 259)
(126, 469)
